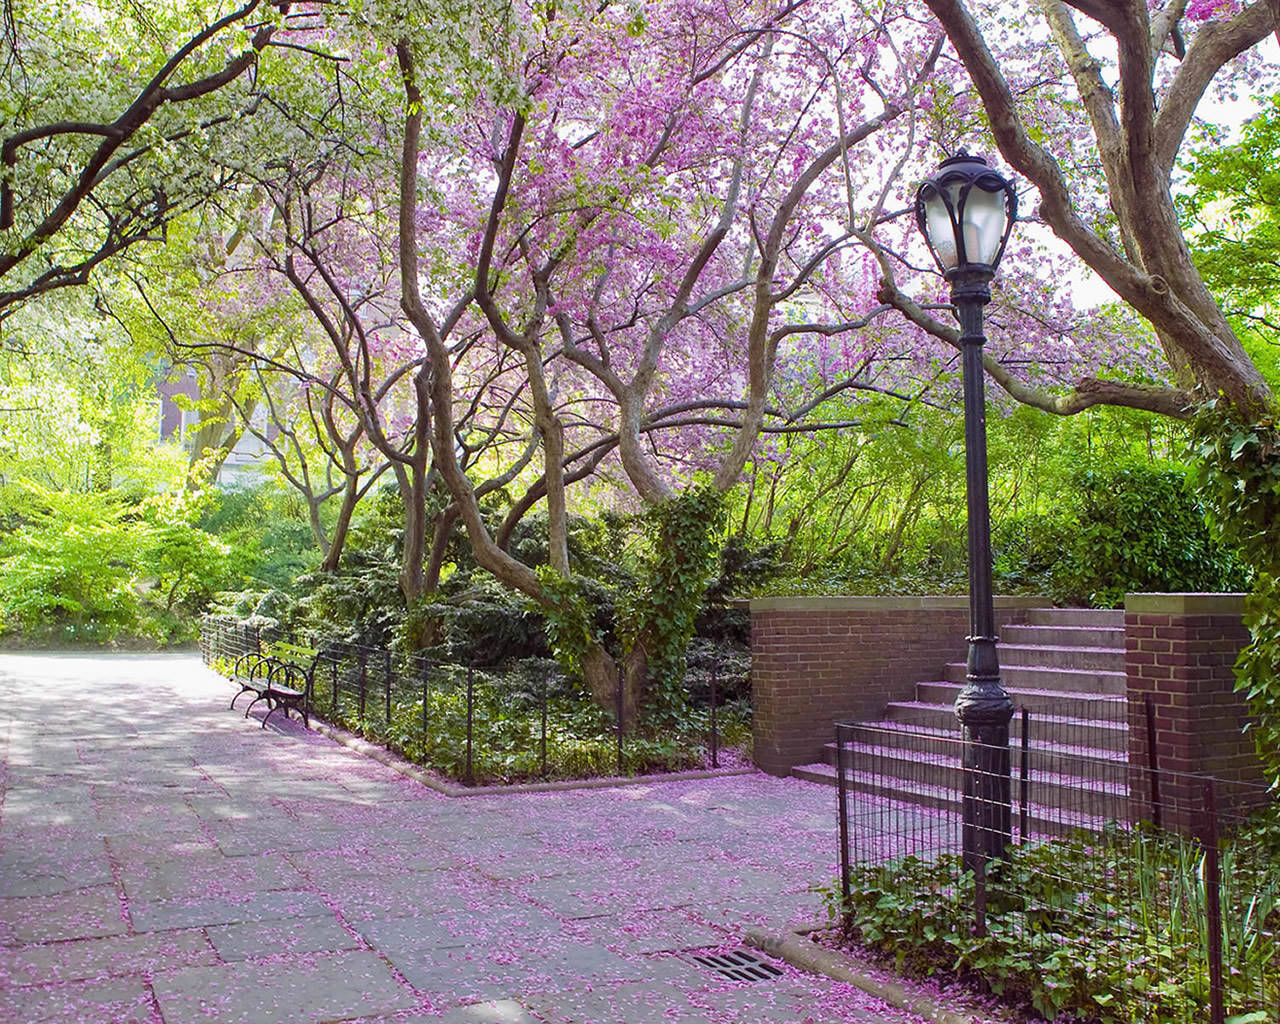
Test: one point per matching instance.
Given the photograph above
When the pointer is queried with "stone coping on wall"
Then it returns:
(898, 603)
(1184, 604)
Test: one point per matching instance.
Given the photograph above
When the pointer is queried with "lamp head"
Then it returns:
(966, 210)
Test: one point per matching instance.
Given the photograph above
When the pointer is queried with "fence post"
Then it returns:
(426, 684)
(471, 704)
(1153, 766)
(715, 736)
(1213, 905)
(618, 713)
(980, 898)
(1024, 787)
(386, 680)
(333, 688)
(842, 795)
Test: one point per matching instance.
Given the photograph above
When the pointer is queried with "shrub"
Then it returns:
(1141, 529)
(94, 567)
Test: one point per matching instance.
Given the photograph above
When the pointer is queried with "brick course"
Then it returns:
(818, 661)
(1184, 696)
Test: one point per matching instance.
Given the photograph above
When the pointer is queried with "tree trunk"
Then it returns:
(601, 672)
(446, 519)
(413, 576)
(350, 498)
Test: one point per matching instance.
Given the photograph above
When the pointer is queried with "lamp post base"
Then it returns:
(986, 806)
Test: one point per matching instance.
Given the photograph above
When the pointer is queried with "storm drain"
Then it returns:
(738, 965)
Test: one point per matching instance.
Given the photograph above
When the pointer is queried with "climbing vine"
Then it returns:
(569, 619)
(685, 536)
(1238, 469)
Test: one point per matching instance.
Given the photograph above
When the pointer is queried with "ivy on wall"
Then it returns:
(1238, 472)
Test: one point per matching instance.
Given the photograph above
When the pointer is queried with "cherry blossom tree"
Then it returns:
(656, 219)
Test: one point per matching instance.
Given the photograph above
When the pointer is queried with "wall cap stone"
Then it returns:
(896, 603)
(1184, 604)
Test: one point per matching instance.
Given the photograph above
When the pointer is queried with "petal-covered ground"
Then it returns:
(165, 859)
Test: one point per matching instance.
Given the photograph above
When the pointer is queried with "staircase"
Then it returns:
(1065, 667)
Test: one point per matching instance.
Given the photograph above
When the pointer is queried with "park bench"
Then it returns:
(281, 683)
(249, 672)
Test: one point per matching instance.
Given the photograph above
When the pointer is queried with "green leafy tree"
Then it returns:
(109, 113)
(1232, 217)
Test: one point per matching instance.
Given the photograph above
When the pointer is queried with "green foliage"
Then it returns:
(1238, 472)
(1108, 928)
(360, 603)
(93, 567)
(78, 405)
(569, 619)
(1232, 217)
(1140, 529)
(883, 511)
(265, 529)
(744, 566)
(485, 623)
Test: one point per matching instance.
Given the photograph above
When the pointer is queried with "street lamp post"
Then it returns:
(966, 211)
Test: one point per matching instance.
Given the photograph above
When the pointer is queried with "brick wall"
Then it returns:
(817, 661)
(1180, 650)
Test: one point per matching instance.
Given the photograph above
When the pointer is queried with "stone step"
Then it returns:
(1064, 703)
(1041, 820)
(1065, 636)
(1045, 756)
(1106, 732)
(1076, 617)
(905, 775)
(1099, 659)
(1048, 677)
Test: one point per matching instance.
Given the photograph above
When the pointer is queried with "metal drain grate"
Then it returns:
(738, 965)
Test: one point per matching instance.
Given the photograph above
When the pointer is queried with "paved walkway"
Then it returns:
(164, 860)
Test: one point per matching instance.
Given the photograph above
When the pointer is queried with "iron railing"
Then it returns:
(525, 722)
(1127, 893)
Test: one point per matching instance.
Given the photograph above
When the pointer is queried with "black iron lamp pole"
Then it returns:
(966, 211)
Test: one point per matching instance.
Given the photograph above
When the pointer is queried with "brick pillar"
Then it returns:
(1180, 650)
(818, 661)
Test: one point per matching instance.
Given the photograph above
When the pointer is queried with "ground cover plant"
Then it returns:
(1105, 928)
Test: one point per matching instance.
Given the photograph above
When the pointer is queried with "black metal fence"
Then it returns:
(1127, 894)
(525, 722)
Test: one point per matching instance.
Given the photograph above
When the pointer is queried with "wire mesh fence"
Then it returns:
(523, 722)
(1105, 905)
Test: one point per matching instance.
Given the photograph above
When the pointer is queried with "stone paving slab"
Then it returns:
(645, 1002)
(499, 1011)
(658, 931)
(456, 929)
(206, 875)
(257, 940)
(471, 973)
(82, 914)
(159, 915)
(53, 872)
(328, 987)
(418, 892)
(118, 955)
(114, 1001)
